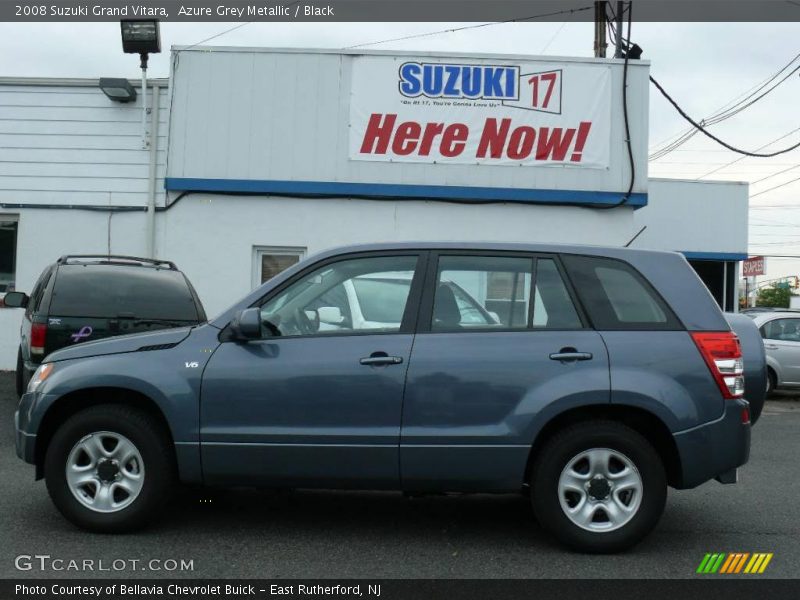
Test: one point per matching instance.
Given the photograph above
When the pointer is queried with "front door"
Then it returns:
(491, 354)
(317, 402)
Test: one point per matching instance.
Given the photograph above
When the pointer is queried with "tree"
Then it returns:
(774, 296)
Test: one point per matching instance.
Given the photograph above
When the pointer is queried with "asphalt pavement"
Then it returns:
(321, 534)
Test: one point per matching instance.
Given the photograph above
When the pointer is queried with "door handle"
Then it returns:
(570, 354)
(770, 346)
(381, 359)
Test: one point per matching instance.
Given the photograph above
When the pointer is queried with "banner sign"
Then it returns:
(753, 266)
(441, 111)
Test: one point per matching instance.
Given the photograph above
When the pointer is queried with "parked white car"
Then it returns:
(781, 333)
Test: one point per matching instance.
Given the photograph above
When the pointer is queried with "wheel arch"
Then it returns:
(638, 419)
(774, 366)
(70, 403)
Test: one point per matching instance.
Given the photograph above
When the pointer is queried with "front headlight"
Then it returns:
(42, 373)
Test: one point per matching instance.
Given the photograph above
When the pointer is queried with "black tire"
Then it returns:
(569, 443)
(772, 382)
(20, 378)
(158, 457)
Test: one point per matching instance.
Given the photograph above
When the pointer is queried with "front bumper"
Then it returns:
(25, 440)
(714, 449)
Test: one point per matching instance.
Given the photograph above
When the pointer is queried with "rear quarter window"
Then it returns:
(37, 294)
(104, 291)
(617, 297)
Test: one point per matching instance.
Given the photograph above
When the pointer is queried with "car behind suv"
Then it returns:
(84, 298)
(596, 378)
(780, 330)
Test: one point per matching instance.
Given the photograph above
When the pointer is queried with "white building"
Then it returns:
(259, 157)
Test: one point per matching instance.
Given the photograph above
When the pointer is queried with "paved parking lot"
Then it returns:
(357, 534)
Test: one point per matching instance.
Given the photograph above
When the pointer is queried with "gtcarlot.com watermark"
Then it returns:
(46, 562)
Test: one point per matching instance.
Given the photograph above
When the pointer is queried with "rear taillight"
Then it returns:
(723, 355)
(38, 333)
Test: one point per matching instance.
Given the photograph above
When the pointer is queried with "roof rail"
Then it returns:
(114, 258)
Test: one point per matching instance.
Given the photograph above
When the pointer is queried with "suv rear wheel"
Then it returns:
(110, 468)
(598, 486)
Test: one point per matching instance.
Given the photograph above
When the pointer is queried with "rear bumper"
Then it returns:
(714, 449)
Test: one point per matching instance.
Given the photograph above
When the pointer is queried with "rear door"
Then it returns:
(782, 342)
(478, 380)
(655, 364)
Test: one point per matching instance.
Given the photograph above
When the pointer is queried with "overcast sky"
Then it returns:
(703, 65)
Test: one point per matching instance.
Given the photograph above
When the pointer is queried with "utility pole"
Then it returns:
(620, 10)
(600, 30)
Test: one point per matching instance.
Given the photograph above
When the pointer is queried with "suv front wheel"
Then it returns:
(110, 468)
(598, 486)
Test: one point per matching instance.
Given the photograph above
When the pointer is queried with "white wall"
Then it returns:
(706, 217)
(211, 237)
(64, 142)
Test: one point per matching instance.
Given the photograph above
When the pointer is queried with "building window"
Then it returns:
(268, 261)
(8, 253)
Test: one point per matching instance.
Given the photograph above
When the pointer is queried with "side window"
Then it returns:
(787, 330)
(616, 296)
(352, 296)
(552, 306)
(38, 292)
(475, 292)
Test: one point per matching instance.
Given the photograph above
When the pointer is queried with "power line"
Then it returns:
(711, 135)
(478, 26)
(736, 160)
(234, 28)
(220, 34)
(736, 110)
(774, 174)
(552, 39)
(776, 187)
(725, 111)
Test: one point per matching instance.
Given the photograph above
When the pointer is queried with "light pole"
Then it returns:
(142, 38)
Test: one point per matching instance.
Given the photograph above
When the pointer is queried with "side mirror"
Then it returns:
(246, 325)
(332, 315)
(16, 300)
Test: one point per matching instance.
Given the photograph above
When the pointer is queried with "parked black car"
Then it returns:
(85, 297)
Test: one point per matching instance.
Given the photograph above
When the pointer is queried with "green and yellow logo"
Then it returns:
(735, 562)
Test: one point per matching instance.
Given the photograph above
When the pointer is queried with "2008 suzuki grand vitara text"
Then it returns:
(601, 376)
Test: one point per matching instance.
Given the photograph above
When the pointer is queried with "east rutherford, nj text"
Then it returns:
(322, 590)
